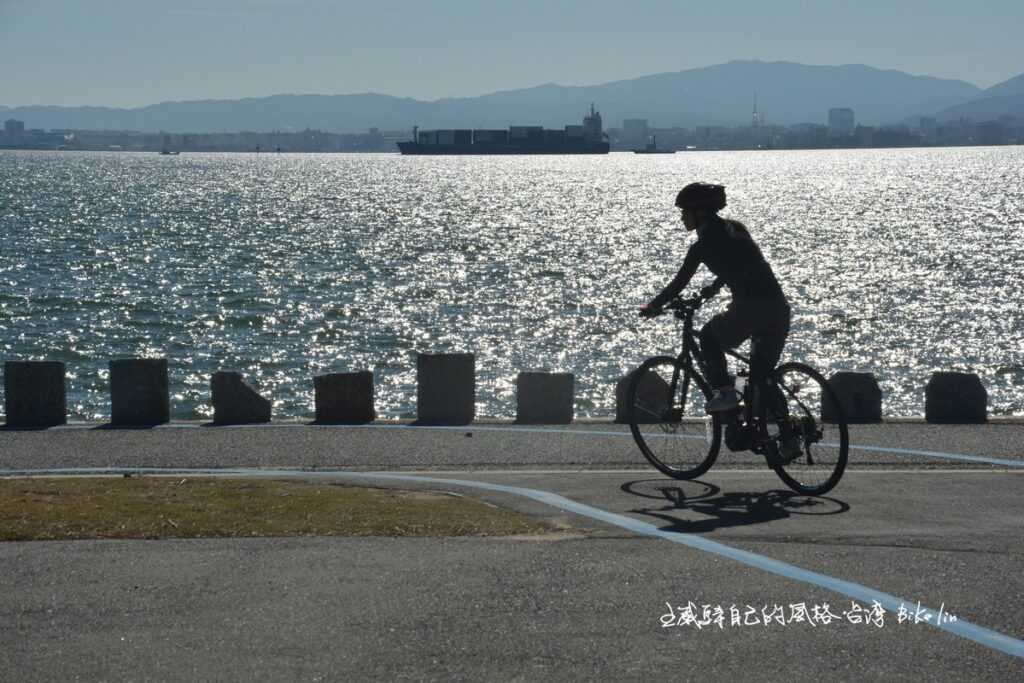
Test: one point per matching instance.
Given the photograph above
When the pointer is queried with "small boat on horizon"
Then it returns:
(652, 148)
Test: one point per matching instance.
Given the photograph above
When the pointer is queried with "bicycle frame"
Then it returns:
(692, 359)
(776, 418)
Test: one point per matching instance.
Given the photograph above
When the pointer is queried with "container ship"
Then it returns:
(588, 138)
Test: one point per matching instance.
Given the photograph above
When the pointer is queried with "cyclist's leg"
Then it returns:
(765, 352)
(741, 320)
(726, 330)
(764, 356)
(769, 328)
(769, 338)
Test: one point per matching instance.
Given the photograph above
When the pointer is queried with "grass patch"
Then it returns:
(212, 507)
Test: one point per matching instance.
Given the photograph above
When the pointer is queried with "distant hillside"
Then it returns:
(986, 109)
(717, 95)
(1013, 86)
(1002, 99)
(339, 113)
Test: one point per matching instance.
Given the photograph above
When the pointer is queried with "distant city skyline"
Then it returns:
(107, 53)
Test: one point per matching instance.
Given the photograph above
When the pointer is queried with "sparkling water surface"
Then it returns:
(897, 262)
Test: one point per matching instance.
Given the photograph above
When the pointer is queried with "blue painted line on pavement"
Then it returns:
(939, 454)
(964, 629)
(963, 457)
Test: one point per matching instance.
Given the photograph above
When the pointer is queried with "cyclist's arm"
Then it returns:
(681, 279)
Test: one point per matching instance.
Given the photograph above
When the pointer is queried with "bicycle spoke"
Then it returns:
(823, 447)
(673, 432)
(647, 411)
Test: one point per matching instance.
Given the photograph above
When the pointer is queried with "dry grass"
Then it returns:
(213, 507)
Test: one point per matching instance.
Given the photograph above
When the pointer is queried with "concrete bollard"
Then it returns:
(859, 396)
(344, 397)
(34, 394)
(653, 394)
(139, 392)
(446, 388)
(235, 401)
(544, 397)
(955, 398)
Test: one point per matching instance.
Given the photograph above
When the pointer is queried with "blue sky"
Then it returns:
(137, 52)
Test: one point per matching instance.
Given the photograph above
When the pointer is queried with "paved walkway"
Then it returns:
(589, 604)
(477, 446)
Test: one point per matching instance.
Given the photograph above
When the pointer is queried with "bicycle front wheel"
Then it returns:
(668, 421)
(808, 454)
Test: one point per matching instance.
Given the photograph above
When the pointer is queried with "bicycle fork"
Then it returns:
(675, 408)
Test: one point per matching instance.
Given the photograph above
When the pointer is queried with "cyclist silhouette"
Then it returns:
(758, 309)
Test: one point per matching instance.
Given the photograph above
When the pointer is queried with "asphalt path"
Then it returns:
(477, 446)
(588, 603)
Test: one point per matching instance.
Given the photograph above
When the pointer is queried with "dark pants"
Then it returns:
(764, 320)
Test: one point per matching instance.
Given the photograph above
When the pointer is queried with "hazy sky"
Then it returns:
(136, 52)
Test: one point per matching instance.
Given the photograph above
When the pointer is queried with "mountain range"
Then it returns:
(786, 93)
(1003, 99)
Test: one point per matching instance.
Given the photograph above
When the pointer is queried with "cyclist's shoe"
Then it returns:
(724, 399)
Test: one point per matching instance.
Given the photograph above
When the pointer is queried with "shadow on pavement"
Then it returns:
(683, 500)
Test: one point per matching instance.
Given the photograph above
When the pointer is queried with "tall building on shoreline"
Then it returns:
(841, 121)
(14, 131)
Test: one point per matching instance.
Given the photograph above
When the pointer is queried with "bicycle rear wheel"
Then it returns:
(667, 418)
(817, 450)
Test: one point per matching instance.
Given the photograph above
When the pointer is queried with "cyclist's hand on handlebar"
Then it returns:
(648, 311)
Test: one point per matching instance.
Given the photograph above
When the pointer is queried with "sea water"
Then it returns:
(897, 262)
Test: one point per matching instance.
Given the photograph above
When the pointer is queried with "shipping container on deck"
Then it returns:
(554, 137)
(428, 137)
(526, 133)
(574, 131)
(463, 137)
(446, 137)
(490, 137)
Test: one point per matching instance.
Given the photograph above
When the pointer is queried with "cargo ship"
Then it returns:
(588, 138)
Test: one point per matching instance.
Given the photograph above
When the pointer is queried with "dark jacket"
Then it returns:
(730, 253)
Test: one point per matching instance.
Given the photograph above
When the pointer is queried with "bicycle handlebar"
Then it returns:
(682, 306)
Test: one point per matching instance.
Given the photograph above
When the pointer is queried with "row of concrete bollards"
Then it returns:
(949, 398)
(35, 395)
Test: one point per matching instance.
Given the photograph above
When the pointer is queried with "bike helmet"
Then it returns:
(701, 196)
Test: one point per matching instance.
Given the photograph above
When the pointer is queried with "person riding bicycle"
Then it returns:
(758, 309)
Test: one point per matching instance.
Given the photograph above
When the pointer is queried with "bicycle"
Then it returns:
(779, 417)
